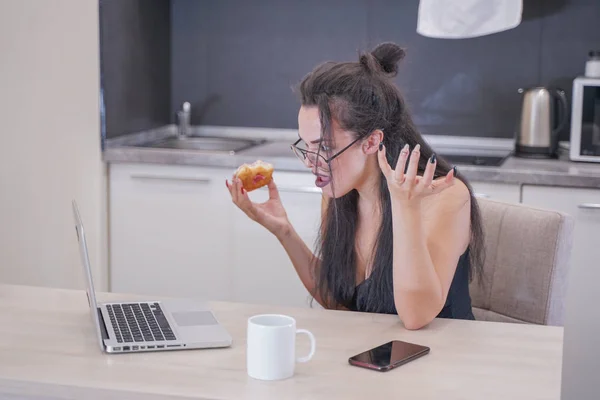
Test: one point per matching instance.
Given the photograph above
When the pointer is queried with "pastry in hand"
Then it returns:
(255, 175)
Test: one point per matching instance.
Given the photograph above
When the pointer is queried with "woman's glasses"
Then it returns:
(316, 159)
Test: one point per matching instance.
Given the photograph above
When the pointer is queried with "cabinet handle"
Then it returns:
(171, 178)
(482, 195)
(589, 206)
(296, 189)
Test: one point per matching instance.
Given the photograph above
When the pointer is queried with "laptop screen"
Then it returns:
(85, 260)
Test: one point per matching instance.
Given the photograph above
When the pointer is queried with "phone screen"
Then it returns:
(389, 355)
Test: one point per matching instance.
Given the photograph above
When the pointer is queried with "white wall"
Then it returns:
(49, 141)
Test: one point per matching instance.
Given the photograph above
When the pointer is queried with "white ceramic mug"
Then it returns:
(271, 347)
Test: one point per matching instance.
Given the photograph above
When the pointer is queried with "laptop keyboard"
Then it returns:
(139, 322)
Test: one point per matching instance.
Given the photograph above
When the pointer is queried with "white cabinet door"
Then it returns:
(170, 231)
(262, 271)
(581, 326)
(584, 206)
(505, 192)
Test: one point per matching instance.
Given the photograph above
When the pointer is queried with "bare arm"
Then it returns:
(427, 246)
(272, 216)
(429, 237)
(303, 259)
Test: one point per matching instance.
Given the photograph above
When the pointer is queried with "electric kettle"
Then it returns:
(543, 116)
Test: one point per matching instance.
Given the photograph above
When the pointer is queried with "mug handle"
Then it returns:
(313, 345)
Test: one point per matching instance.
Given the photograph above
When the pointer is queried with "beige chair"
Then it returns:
(526, 266)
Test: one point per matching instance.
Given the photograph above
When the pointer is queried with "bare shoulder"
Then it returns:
(453, 199)
(448, 215)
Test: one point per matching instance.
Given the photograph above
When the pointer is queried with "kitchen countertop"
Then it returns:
(548, 172)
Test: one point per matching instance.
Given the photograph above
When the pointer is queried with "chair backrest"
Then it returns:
(526, 266)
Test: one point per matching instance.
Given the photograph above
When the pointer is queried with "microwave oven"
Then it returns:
(585, 120)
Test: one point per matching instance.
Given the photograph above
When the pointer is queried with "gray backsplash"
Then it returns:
(135, 57)
(236, 61)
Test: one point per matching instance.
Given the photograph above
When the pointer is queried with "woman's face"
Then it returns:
(348, 170)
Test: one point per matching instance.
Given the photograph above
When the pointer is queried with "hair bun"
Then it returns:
(388, 55)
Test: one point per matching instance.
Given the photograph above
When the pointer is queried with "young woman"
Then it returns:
(401, 231)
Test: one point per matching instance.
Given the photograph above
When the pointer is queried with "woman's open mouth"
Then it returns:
(322, 181)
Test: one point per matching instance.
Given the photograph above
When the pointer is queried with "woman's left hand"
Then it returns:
(410, 188)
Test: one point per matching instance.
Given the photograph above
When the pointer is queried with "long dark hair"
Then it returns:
(361, 97)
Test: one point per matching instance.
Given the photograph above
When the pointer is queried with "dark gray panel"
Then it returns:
(258, 50)
(135, 61)
(236, 61)
(460, 87)
(189, 56)
(567, 38)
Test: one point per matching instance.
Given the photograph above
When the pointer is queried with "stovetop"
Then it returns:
(471, 159)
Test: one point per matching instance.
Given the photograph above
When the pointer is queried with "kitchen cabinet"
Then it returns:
(584, 206)
(262, 271)
(170, 231)
(174, 231)
(505, 192)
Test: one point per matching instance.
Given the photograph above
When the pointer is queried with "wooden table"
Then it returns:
(48, 350)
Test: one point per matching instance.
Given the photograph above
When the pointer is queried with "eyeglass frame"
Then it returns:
(327, 160)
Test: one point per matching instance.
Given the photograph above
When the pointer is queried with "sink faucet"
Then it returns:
(183, 121)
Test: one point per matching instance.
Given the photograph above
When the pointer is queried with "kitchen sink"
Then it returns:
(205, 143)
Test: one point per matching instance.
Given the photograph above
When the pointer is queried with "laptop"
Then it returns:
(153, 325)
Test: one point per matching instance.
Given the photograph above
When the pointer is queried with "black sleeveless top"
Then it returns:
(458, 302)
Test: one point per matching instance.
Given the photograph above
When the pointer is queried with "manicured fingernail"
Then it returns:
(406, 148)
(380, 146)
(417, 148)
(454, 170)
(226, 183)
(432, 159)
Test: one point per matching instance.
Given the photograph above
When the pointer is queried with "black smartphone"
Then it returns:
(389, 355)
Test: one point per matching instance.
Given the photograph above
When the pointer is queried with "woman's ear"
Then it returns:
(371, 145)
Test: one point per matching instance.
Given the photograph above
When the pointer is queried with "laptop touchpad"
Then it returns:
(194, 318)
